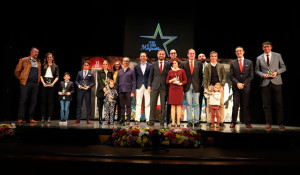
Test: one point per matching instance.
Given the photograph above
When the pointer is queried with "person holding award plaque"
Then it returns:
(50, 75)
(84, 81)
(66, 89)
(176, 78)
(270, 66)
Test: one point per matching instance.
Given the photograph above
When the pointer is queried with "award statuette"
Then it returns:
(84, 85)
(48, 82)
(177, 79)
(63, 91)
(270, 72)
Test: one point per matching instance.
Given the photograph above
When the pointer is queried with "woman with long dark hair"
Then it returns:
(50, 75)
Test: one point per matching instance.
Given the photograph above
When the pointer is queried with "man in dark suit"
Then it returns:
(241, 75)
(142, 70)
(193, 70)
(269, 67)
(84, 81)
(157, 86)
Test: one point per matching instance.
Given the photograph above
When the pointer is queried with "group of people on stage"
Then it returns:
(169, 80)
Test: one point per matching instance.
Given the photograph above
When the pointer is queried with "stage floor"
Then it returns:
(240, 128)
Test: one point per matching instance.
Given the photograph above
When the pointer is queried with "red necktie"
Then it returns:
(268, 61)
(160, 67)
(192, 67)
(241, 66)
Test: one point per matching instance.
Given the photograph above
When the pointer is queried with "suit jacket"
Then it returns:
(157, 79)
(195, 78)
(70, 88)
(140, 77)
(89, 79)
(126, 81)
(101, 75)
(207, 75)
(237, 77)
(276, 64)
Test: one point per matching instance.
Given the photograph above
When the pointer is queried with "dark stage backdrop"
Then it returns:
(74, 30)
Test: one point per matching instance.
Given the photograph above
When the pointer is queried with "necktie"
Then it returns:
(268, 61)
(192, 67)
(241, 66)
(85, 72)
(160, 67)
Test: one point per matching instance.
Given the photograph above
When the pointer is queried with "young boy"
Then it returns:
(66, 89)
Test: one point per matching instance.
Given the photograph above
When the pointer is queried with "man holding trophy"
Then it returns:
(270, 66)
(84, 81)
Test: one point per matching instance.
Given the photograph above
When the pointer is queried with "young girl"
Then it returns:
(110, 101)
(66, 89)
(214, 102)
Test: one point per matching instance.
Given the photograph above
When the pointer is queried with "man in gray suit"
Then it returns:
(270, 66)
(157, 86)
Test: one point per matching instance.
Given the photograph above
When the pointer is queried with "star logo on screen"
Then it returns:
(153, 44)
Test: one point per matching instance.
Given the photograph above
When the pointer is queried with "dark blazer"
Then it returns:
(126, 81)
(70, 88)
(196, 78)
(140, 77)
(54, 70)
(101, 76)
(237, 77)
(156, 78)
(89, 79)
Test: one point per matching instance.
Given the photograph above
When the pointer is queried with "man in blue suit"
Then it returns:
(142, 70)
(84, 81)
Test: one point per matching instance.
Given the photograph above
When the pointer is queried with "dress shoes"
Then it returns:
(89, 122)
(76, 122)
(32, 121)
(248, 125)
(19, 121)
(281, 127)
(232, 125)
(268, 126)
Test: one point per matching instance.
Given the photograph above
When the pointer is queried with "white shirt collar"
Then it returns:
(214, 64)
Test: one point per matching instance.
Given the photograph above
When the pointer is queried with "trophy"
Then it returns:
(84, 85)
(48, 82)
(63, 91)
(270, 72)
(177, 79)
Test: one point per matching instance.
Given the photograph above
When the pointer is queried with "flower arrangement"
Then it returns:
(141, 137)
(7, 130)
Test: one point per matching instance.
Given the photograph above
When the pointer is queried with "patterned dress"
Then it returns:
(109, 106)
